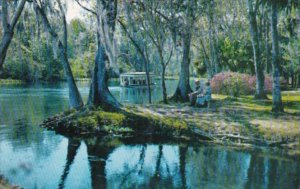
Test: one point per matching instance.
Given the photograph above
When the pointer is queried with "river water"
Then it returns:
(35, 158)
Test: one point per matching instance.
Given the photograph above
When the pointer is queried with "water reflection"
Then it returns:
(73, 146)
(116, 163)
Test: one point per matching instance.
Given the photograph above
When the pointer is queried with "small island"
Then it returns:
(231, 121)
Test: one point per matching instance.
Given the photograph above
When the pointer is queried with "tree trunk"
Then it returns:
(259, 70)
(74, 95)
(8, 29)
(268, 66)
(147, 62)
(212, 41)
(99, 92)
(207, 62)
(184, 88)
(297, 79)
(276, 91)
(5, 42)
(148, 81)
(163, 85)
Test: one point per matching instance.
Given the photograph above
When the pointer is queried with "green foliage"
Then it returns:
(33, 57)
(237, 55)
(176, 124)
(88, 121)
(111, 119)
(77, 26)
(168, 125)
(94, 119)
(33, 62)
(10, 81)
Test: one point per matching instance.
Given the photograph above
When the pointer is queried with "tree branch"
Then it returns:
(85, 8)
(45, 20)
(131, 38)
(257, 4)
(17, 14)
(65, 35)
(168, 61)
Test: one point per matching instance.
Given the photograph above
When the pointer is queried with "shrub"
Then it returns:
(109, 118)
(89, 122)
(236, 84)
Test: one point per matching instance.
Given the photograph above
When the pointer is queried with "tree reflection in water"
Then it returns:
(73, 146)
(98, 150)
(127, 163)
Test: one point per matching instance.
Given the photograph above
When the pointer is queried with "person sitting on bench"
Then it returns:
(204, 98)
(193, 95)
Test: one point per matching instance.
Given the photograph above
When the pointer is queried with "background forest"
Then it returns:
(220, 40)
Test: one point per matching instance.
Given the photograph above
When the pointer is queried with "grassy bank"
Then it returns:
(242, 120)
(90, 121)
(10, 81)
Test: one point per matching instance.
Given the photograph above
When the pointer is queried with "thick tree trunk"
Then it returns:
(99, 92)
(276, 91)
(184, 88)
(74, 95)
(259, 69)
(8, 29)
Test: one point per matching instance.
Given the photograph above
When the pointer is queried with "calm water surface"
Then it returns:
(35, 158)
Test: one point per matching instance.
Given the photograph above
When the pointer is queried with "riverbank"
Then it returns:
(10, 81)
(232, 121)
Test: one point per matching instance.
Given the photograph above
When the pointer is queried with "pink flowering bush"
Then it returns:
(236, 84)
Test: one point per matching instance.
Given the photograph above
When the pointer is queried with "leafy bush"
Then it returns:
(236, 84)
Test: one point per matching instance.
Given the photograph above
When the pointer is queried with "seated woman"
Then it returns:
(204, 98)
(193, 95)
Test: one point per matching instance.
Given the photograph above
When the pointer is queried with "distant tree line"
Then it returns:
(169, 38)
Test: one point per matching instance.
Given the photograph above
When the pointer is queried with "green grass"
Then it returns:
(10, 81)
(256, 115)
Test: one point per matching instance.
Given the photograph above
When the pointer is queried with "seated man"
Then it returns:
(193, 95)
(204, 98)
